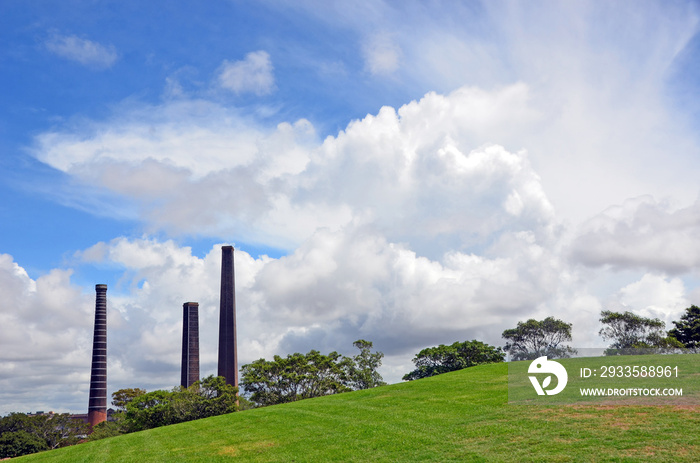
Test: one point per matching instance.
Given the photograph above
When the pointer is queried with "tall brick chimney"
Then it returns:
(190, 344)
(97, 406)
(228, 355)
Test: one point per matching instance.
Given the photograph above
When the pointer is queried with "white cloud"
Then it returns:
(641, 233)
(599, 77)
(277, 187)
(83, 51)
(44, 339)
(168, 134)
(46, 324)
(252, 74)
(335, 288)
(656, 296)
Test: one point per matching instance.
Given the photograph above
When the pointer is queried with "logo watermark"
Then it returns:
(654, 378)
(550, 367)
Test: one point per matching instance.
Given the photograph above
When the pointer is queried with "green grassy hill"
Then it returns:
(460, 416)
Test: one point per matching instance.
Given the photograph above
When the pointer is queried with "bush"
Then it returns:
(208, 397)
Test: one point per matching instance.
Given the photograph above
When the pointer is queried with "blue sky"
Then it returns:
(411, 173)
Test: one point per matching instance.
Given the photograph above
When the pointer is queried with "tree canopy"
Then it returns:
(302, 376)
(208, 397)
(122, 397)
(687, 330)
(433, 361)
(532, 339)
(297, 376)
(629, 331)
(21, 434)
(18, 443)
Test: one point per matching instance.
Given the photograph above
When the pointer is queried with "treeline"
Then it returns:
(21, 434)
(629, 334)
(136, 410)
(284, 379)
(626, 331)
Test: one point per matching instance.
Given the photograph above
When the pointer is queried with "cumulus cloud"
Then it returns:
(336, 287)
(357, 284)
(83, 51)
(252, 74)
(46, 324)
(439, 186)
(599, 76)
(642, 233)
(656, 296)
(44, 338)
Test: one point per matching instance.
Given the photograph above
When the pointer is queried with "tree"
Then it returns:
(433, 361)
(629, 331)
(687, 330)
(296, 377)
(212, 397)
(150, 410)
(533, 339)
(59, 430)
(122, 397)
(15, 422)
(55, 430)
(363, 372)
(208, 397)
(107, 429)
(18, 443)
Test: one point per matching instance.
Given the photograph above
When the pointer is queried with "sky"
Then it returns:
(411, 173)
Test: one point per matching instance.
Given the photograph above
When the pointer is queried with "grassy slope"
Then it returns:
(460, 416)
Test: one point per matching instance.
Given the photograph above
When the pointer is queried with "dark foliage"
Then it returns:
(18, 443)
(687, 330)
(29, 434)
(442, 359)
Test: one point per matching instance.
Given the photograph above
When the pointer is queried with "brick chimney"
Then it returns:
(97, 406)
(190, 344)
(228, 356)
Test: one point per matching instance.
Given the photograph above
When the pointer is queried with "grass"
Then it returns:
(460, 416)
